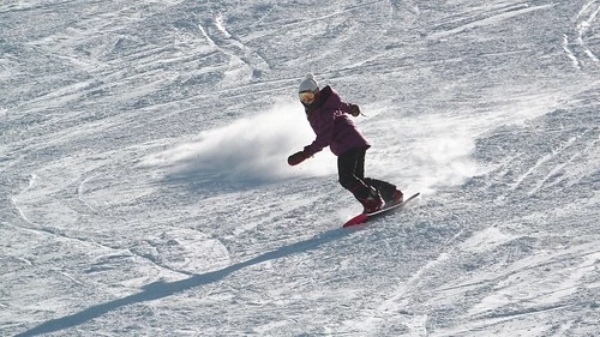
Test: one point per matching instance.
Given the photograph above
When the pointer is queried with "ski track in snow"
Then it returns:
(395, 301)
(55, 233)
(495, 18)
(577, 50)
(244, 63)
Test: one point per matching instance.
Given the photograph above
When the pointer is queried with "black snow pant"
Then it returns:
(351, 171)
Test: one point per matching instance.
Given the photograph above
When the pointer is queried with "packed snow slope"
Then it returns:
(144, 189)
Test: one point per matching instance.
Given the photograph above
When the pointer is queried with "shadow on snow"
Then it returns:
(160, 290)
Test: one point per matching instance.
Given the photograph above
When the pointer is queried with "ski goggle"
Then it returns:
(307, 97)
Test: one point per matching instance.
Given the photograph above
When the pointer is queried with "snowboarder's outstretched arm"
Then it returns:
(350, 108)
(297, 158)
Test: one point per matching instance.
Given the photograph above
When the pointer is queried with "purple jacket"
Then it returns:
(329, 120)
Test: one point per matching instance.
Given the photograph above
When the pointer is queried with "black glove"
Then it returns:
(297, 158)
(354, 110)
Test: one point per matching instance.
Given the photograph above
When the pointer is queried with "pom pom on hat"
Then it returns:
(309, 84)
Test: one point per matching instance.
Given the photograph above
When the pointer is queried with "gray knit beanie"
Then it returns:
(309, 84)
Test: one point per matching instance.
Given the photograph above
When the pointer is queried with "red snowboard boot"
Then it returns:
(373, 203)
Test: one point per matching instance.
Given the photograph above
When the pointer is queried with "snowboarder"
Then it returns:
(327, 115)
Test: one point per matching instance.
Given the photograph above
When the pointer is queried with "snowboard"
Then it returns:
(364, 217)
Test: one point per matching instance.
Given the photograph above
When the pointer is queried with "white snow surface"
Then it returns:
(144, 189)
